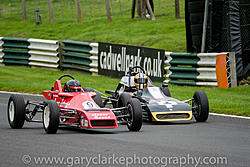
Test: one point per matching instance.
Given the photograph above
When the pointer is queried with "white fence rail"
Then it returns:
(43, 53)
(94, 58)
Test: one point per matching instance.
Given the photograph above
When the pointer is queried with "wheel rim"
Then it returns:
(11, 111)
(197, 107)
(130, 115)
(46, 113)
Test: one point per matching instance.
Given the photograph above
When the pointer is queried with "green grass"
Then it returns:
(23, 79)
(164, 33)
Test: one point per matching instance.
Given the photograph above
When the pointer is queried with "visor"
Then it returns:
(141, 80)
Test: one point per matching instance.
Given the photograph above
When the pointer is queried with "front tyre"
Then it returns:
(51, 117)
(16, 111)
(134, 120)
(200, 106)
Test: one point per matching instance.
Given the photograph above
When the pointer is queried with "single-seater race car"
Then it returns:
(156, 101)
(72, 105)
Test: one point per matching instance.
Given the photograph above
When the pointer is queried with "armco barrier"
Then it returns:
(1, 49)
(78, 55)
(1, 42)
(94, 58)
(203, 69)
(14, 51)
(44, 53)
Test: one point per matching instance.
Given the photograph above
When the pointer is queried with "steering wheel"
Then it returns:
(66, 75)
(136, 67)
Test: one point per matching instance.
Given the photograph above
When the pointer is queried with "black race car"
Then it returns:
(156, 101)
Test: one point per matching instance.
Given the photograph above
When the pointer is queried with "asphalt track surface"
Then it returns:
(172, 144)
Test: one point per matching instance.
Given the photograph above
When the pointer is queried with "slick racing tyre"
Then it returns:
(122, 102)
(123, 99)
(16, 111)
(134, 120)
(51, 117)
(166, 91)
(97, 98)
(200, 106)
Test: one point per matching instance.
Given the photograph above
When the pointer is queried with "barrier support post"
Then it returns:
(233, 69)
(60, 55)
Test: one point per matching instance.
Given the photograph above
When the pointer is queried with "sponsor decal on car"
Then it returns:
(100, 116)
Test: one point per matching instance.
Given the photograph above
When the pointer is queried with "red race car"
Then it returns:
(70, 104)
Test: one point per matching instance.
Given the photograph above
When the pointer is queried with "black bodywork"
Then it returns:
(156, 101)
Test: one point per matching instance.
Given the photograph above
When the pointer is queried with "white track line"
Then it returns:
(230, 116)
(20, 93)
(215, 114)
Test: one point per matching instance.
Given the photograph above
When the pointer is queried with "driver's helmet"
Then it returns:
(73, 86)
(141, 81)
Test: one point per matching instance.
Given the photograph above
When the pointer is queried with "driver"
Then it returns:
(73, 86)
(141, 81)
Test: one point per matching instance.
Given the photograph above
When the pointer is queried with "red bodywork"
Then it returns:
(79, 108)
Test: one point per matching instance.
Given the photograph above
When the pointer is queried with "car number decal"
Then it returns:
(155, 92)
(168, 104)
(88, 105)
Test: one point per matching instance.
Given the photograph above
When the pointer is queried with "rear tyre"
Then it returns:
(51, 117)
(114, 104)
(97, 98)
(200, 106)
(16, 111)
(122, 102)
(134, 120)
(124, 99)
(166, 91)
(88, 89)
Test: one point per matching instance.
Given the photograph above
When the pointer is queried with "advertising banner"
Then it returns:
(114, 60)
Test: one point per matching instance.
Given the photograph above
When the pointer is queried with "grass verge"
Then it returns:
(165, 32)
(33, 80)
